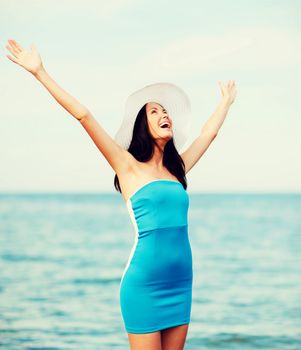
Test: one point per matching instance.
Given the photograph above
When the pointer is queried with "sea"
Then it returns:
(62, 256)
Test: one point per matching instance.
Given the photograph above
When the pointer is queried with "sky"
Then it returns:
(100, 52)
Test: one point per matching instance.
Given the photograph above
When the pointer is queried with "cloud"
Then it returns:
(241, 49)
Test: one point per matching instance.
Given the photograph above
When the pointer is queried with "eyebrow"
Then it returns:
(157, 108)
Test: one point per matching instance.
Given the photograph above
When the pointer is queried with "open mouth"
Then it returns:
(165, 126)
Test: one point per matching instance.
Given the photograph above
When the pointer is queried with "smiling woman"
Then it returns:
(154, 110)
(159, 115)
(156, 286)
(149, 135)
(165, 102)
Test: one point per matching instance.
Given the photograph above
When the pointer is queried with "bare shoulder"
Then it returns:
(137, 175)
(122, 161)
(128, 174)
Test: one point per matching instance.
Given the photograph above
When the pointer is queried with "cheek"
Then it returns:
(153, 123)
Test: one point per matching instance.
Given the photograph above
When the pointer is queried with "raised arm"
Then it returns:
(119, 159)
(210, 129)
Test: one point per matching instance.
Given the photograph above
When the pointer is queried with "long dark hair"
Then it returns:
(142, 148)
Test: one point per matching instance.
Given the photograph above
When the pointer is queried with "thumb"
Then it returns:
(33, 48)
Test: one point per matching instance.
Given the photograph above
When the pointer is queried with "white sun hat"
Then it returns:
(168, 95)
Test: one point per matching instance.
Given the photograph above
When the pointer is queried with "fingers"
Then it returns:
(15, 45)
(12, 58)
(15, 52)
(230, 84)
(12, 50)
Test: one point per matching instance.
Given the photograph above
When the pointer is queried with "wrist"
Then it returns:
(226, 102)
(39, 72)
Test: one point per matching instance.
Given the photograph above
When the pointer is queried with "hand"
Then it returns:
(228, 91)
(31, 61)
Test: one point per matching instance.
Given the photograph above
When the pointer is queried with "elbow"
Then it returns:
(84, 116)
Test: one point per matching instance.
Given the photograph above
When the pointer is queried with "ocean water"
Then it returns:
(62, 257)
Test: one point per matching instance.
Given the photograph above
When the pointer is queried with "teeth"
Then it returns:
(164, 124)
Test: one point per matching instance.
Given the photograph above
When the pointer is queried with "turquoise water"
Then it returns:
(62, 257)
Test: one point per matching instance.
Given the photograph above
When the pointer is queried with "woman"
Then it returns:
(156, 285)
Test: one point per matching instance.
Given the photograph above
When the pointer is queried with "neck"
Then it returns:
(157, 159)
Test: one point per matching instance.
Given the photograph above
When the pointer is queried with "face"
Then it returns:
(156, 116)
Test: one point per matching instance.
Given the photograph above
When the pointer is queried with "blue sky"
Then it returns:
(100, 52)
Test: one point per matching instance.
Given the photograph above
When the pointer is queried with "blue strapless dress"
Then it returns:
(156, 285)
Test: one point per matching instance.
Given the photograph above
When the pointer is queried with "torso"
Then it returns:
(139, 174)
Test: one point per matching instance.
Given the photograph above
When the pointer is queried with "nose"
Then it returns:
(165, 115)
